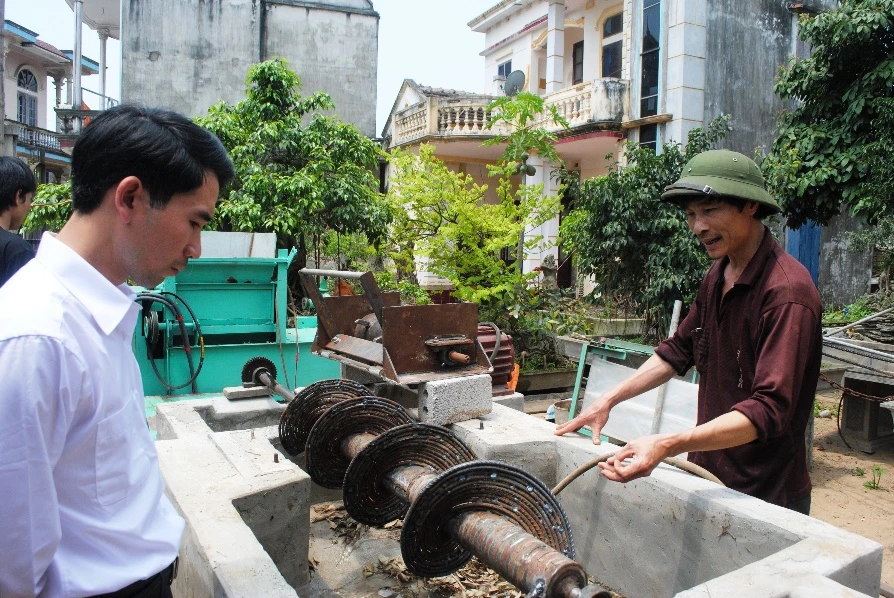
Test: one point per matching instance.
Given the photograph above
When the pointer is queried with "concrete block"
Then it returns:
(686, 103)
(247, 514)
(686, 39)
(234, 393)
(514, 401)
(515, 438)
(455, 399)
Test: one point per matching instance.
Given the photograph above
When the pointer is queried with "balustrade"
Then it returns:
(35, 136)
(594, 101)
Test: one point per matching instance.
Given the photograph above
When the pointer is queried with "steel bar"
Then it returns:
(515, 554)
(271, 383)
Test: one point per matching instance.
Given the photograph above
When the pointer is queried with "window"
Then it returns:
(612, 43)
(648, 102)
(577, 59)
(27, 98)
(648, 136)
(504, 69)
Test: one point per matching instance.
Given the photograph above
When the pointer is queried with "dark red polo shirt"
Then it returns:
(757, 351)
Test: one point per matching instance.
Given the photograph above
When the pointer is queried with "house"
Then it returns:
(29, 64)
(647, 71)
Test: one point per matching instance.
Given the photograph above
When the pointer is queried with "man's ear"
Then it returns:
(129, 197)
(20, 196)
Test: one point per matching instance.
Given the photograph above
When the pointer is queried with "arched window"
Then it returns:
(27, 97)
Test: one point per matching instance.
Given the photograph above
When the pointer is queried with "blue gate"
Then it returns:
(804, 245)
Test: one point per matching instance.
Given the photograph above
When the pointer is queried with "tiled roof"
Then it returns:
(446, 93)
(50, 48)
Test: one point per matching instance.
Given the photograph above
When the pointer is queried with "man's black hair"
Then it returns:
(15, 176)
(168, 152)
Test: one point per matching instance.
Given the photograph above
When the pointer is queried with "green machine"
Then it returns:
(240, 305)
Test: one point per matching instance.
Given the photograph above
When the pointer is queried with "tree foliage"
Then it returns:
(441, 216)
(830, 154)
(50, 209)
(298, 172)
(639, 249)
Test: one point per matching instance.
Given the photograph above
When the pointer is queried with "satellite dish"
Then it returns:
(514, 83)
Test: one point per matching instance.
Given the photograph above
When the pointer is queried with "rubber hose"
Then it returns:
(172, 305)
(678, 463)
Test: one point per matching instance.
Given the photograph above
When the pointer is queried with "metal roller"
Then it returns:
(458, 507)
(302, 413)
(349, 423)
(478, 488)
(367, 498)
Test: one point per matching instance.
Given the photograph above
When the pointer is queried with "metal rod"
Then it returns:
(265, 379)
(858, 322)
(515, 554)
(662, 390)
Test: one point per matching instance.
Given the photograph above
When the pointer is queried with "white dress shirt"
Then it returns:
(82, 503)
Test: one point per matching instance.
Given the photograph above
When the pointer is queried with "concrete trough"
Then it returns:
(671, 534)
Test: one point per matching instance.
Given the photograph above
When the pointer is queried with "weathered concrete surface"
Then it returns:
(514, 401)
(672, 531)
(186, 56)
(455, 399)
(745, 44)
(511, 436)
(246, 508)
(844, 274)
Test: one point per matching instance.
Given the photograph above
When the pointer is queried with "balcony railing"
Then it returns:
(35, 136)
(599, 102)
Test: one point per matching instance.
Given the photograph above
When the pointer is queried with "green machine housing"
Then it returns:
(241, 306)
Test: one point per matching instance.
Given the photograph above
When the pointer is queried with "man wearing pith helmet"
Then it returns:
(753, 333)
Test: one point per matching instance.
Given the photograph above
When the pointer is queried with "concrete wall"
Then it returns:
(746, 43)
(335, 51)
(187, 56)
(843, 273)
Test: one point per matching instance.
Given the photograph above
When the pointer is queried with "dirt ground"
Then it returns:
(839, 495)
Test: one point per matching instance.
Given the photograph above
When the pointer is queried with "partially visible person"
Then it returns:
(83, 510)
(17, 186)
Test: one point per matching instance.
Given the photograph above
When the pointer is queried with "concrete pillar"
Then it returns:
(76, 60)
(555, 45)
(103, 38)
(548, 231)
(68, 91)
(57, 83)
(534, 73)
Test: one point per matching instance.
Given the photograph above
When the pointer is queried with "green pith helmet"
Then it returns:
(719, 173)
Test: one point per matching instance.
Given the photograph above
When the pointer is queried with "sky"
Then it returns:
(424, 40)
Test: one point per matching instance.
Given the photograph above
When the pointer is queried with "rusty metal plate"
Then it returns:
(357, 348)
(341, 314)
(406, 328)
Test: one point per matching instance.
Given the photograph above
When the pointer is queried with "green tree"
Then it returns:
(441, 215)
(830, 154)
(51, 208)
(639, 249)
(299, 173)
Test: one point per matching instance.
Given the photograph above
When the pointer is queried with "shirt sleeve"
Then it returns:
(786, 342)
(678, 349)
(38, 398)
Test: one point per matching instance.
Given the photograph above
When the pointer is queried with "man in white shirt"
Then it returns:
(83, 510)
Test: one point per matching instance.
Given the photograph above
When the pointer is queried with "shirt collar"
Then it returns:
(107, 303)
(755, 268)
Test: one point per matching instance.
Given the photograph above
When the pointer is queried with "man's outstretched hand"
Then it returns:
(594, 415)
(644, 455)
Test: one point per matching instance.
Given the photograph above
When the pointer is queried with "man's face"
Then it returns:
(21, 209)
(165, 239)
(721, 227)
